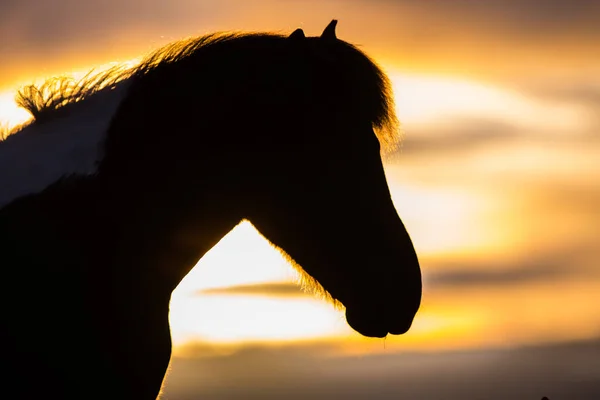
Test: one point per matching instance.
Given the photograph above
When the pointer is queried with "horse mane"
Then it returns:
(53, 97)
(44, 101)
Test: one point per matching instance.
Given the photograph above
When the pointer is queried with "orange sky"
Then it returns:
(543, 38)
(498, 180)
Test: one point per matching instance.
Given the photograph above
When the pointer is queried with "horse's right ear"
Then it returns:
(329, 32)
(297, 35)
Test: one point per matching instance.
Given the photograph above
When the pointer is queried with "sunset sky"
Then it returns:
(497, 181)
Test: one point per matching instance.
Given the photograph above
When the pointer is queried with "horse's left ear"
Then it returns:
(297, 35)
(329, 32)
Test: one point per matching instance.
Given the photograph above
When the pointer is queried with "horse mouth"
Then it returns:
(378, 323)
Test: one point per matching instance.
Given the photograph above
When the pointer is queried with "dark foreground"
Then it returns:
(563, 371)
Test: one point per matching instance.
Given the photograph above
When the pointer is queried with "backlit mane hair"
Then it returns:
(53, 97)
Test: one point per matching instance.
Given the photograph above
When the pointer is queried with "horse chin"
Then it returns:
(375, 324)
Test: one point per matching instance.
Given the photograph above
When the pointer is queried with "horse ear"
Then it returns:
(297, 35)
(329, 32)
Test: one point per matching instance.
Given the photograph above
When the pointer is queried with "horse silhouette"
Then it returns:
(123, 182)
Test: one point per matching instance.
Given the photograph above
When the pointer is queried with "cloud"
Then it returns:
(457, 134)
(41, 38)
(549, 266)
(556, 219)
(550, 17)
(467, 131)
(565, 370)
(584, 93)
(485, 276)
(280, 289)
(44, 25)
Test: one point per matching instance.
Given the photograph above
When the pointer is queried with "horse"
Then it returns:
(124, 180)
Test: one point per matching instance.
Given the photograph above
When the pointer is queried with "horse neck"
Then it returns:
(165, 186)
(160, 233)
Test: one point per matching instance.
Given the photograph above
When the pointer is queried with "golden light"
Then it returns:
(244, 257)
(431, 213)
(235, 319)
(10, 114)
(241, 257)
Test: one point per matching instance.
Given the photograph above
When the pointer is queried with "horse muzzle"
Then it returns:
(379, 320)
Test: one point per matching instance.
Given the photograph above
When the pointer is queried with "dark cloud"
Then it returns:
(39, 36)
(464, 134)
(549, 17)
(43, 24)
(552, 265)
(48, 22)
(282, 289)
(457, 134)
(483, 275)
(583, 93)
(560, 371)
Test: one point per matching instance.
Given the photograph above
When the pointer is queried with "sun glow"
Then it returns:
(10, 114)
(431, 213)
(244, 257)
(234, 319)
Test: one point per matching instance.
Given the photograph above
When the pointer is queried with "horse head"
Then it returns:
(321, 194)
